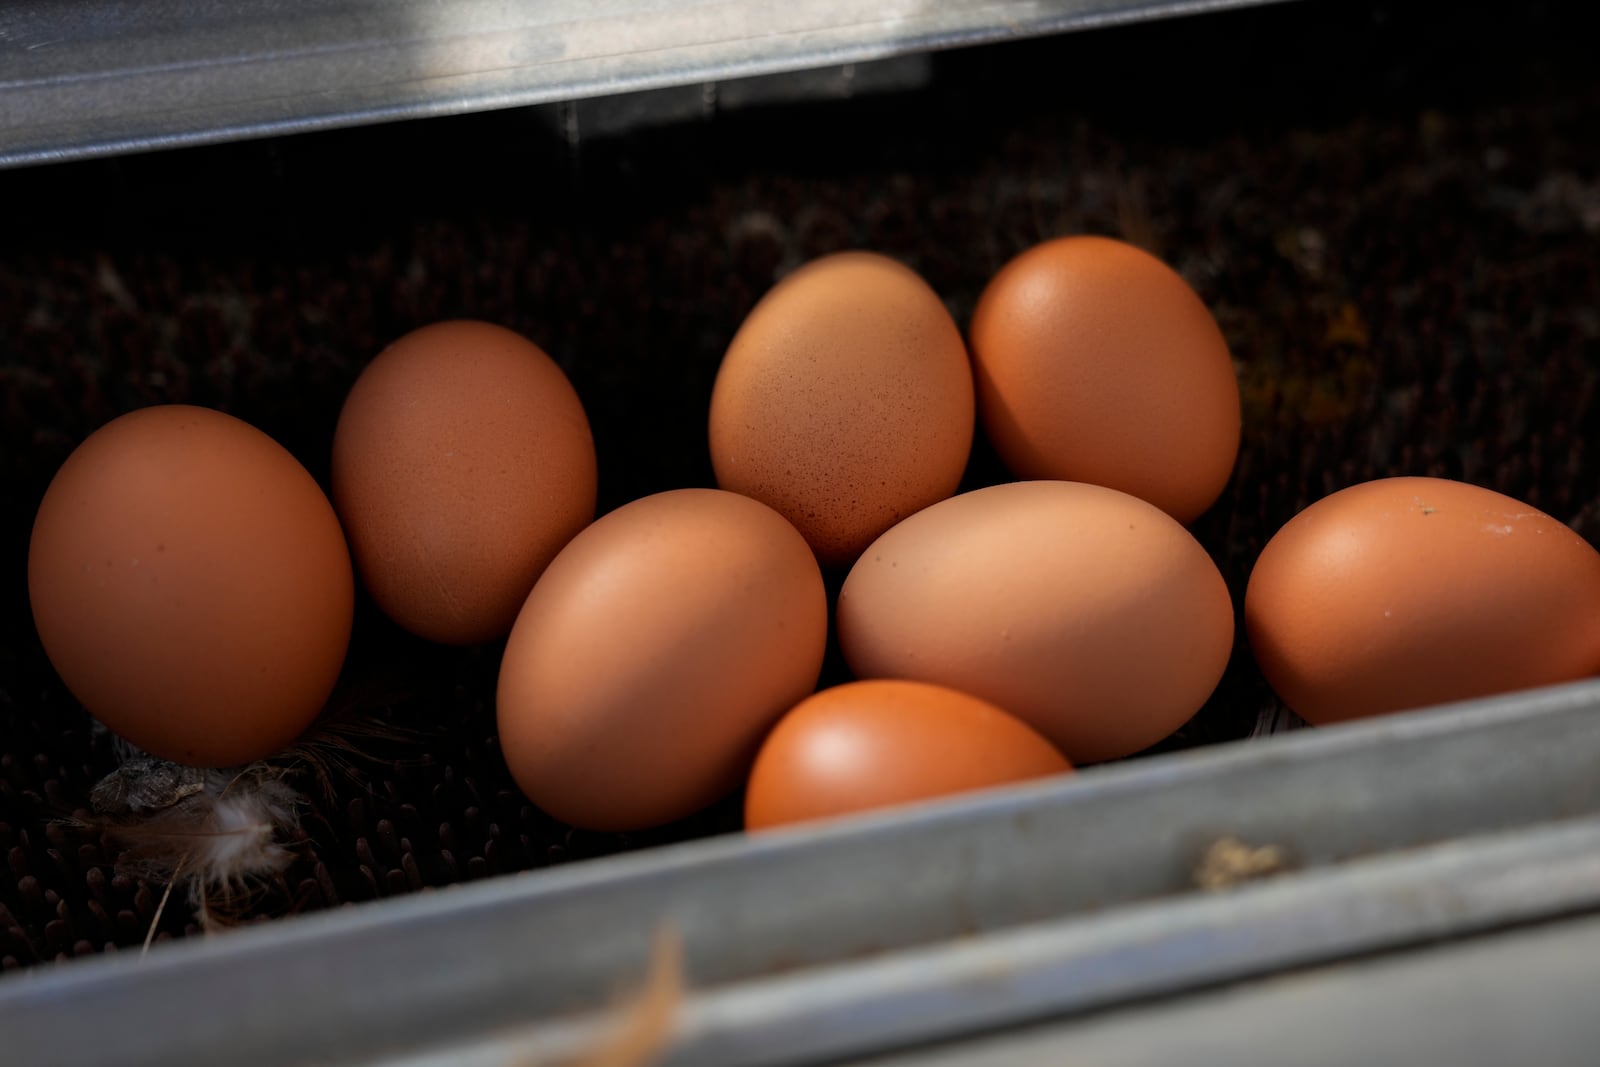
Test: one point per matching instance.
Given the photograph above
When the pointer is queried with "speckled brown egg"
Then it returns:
(654, 655)
(1089, 614)
(844, 402)
(877, 744)
(462, 463)
(191, 585)
(1096, 362)
(1404, 592)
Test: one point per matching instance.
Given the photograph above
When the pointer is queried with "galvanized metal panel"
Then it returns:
(1088, 963)
(874, 930)
(1519, 997)
(95, 77)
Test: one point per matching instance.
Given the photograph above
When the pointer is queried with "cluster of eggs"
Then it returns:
(194, 587)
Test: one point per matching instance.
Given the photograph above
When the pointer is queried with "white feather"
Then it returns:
(238, 838)
(219, 841)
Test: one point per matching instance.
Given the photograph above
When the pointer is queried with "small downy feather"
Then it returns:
(641, 1027)
(223, 840)
(221, 835)
(1274, 718)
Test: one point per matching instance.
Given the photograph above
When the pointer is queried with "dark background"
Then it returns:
(1392, 209)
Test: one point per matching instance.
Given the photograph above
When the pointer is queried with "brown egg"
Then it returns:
(1095, 362)
(1404, 592)
(462, 463)
(1087, 613)
(844, 402)
(654, 655)
(191, 585)
(875, 744)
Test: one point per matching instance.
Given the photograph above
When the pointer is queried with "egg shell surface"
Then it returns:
(191, 585)
(1096, 362)
(653, 656)
(1405, 592)
(1087, 613)
(876, 744)
(462, 463)
(845, 401)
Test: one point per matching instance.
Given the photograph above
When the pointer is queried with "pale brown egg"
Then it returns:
(877, 744)
(1096, 362)
(462, 463)
(654, 655)
(1087, 613)
(191, 585)
(1405, 592)
(844, 402)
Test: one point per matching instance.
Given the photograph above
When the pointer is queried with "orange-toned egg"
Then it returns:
(1405, 592)
(462, 463)
(844, 402)
(876, 744)
(654, 655)
(1087, 613)
(191, 585)
(1096, 362)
